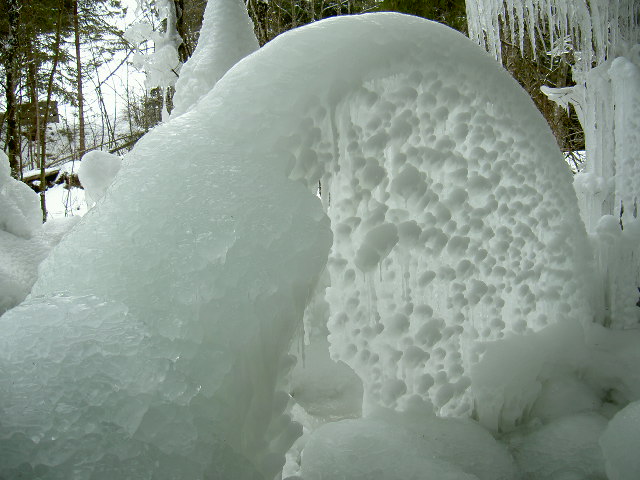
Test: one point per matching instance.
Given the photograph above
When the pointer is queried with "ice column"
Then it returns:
(226, 37)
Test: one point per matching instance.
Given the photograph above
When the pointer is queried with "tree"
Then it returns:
(449, 12)
(9, 57)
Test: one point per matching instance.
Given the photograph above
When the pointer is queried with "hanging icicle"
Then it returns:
(604, 38)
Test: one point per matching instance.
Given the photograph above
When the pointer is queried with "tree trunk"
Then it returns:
(183, 50)
(81, 132)
(13, 143)
(33, 84)
(43, 138)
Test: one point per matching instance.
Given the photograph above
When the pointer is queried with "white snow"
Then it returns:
(24, 240)
(162, 65)
(620, 444)
(393, 446)
(96, 172)
(565, 449)
(446, 264)
(20, 212)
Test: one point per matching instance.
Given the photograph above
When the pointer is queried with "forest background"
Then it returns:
(70, 83)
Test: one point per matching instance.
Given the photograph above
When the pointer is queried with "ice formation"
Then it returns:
(455, 277)
(96, 172)
(604, 36)
(162, 66)
(230, 39)
(596, 30)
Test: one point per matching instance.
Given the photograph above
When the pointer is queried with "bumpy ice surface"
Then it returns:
(454, 230)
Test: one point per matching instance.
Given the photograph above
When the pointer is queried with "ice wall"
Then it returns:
(455, 241)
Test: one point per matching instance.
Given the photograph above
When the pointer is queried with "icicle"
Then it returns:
(607, 100)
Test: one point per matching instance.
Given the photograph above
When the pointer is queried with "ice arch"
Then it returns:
(454, 226)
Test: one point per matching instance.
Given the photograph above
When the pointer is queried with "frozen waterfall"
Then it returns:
(156, 342)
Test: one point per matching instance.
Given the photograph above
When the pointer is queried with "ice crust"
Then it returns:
(456, 240)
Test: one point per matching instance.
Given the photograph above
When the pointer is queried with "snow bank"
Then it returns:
(24, 241)
(456, 241)
(20, 212)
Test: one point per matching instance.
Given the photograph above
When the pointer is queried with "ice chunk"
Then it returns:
(96, 172)
(620, 442)
(492, 253)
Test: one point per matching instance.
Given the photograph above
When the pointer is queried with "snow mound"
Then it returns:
(24, 241)
(620, 442)
(96, 172)
(20, 212)
(565, 449)
(455, 228)
(394, 446)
